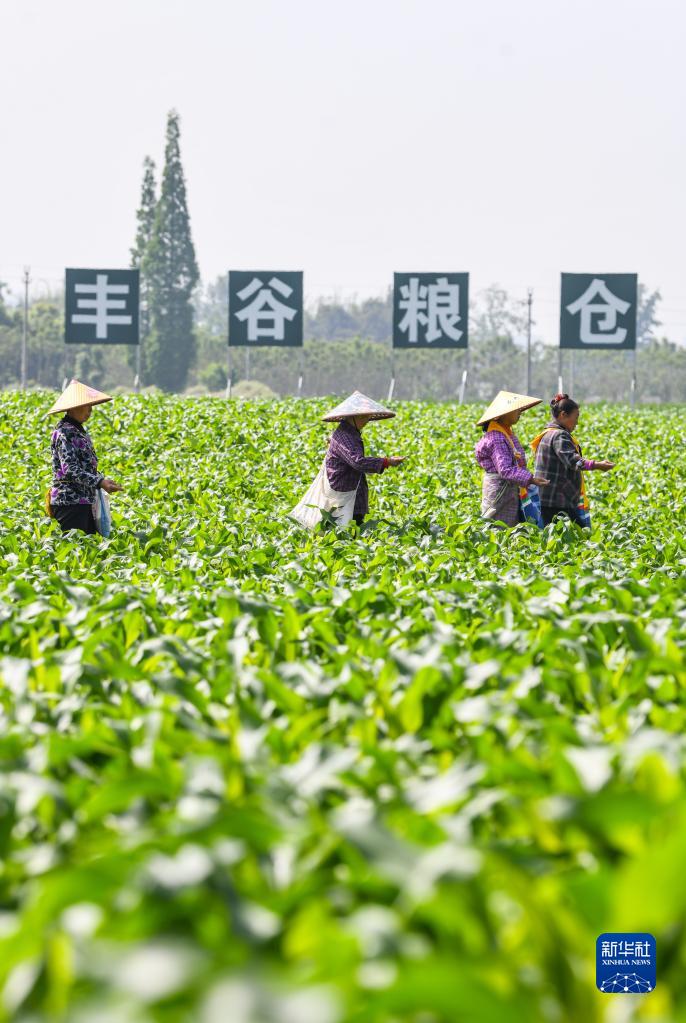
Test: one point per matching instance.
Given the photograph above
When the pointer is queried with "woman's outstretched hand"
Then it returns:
(604, 465)
(540, 482)
(396, 460)
(109, 486)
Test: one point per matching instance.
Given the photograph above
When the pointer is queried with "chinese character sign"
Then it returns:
(430, 310)
(265, 308)
(598, 311)
(101, 307)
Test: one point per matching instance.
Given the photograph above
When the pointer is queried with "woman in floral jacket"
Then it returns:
(74, 462)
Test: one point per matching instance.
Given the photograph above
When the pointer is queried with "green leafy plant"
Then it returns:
(403, 773)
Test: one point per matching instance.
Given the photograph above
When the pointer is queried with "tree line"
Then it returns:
(184, 328)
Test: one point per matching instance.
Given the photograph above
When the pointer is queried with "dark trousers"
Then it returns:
(359, 519)
(74, 516)
(549, 514)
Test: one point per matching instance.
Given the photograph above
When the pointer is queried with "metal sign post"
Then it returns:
(391, 386)
(559, 371)
(465, 373)
(300, 373)
(529, 321)
(69, 365)
(25, 330)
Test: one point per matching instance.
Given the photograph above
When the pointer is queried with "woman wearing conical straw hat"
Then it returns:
(76, 479)
(341, 484)
(509, 491)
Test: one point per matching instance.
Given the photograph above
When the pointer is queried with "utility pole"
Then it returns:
(529, 321)
(25, 329)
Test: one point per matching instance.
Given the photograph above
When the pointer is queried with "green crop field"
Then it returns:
(253, 775)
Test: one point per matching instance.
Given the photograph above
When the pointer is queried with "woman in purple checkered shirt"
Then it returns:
(346, 463)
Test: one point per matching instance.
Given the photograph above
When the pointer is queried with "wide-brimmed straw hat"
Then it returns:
(358, 404)
(78, 394)
(507, 401)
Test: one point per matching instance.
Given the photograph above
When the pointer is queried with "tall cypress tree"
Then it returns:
(171, 274)
(145, 219)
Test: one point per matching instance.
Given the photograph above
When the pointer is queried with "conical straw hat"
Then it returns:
(507, 401)
(78, 394)
(358, 404)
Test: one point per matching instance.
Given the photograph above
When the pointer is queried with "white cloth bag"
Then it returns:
(322, 497)
(101, 512)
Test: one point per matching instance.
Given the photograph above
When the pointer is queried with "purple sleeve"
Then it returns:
(587, 463)
(352, 454)
(505, 464)
(480, 451)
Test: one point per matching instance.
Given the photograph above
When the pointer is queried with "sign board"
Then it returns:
(598, 311)
(265, 308)
(101, 307)
(430, 310)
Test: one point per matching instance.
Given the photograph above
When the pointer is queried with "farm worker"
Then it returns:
(346, 463)
(559, 458)
(75, 466)
(509, 492)
(340, 487)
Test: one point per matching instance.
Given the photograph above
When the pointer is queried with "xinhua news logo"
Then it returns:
(625, 963)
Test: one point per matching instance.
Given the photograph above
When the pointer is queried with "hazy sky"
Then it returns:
(351, 139)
